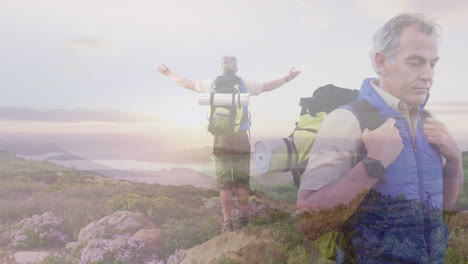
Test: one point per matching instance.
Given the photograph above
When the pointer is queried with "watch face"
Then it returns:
(375, 169)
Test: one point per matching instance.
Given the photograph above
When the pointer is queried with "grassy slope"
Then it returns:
(462, 201)
(29, 188)
(79, 197)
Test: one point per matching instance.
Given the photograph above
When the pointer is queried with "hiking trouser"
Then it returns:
(232, 160)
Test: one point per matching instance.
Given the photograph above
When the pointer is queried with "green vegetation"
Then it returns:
(79, 197)
(282, 192)
(53, 260)
(188, 232)
(462, 201)
(289, 245)
(465, 160)
(226, 260)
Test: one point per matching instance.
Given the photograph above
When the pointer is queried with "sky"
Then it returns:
(73, 59)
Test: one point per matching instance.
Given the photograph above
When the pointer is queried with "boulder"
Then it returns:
(122, 222)
(237, 246)
(31, 257)
(152, 238)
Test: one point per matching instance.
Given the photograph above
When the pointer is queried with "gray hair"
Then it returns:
(387, 38)
(229, 65)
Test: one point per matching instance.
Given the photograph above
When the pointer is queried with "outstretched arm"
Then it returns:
(271, 85)
(189, 84)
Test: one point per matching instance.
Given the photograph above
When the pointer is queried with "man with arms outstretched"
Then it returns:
(232, 150)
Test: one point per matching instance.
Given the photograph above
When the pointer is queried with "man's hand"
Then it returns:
(164, 70)
(384, 143)
(293, 74)
(438, 135)
(189, 84)
(271, 85)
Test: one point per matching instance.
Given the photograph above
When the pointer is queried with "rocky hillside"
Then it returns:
(50, 214)
(37, 193)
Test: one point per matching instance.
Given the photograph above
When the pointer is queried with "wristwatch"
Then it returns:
(373, 167)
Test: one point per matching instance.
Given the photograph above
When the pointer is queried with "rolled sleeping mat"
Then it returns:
(223, 99)
(275, 155)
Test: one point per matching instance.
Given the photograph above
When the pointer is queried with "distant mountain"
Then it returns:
(196, 155)
(98, 146)
(65, 156)
(73, 115)
(174, 176)
(30, 148)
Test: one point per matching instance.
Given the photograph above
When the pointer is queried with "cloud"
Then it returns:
(317, 22)
(48, 82)
(318, 16)
(450, 14)
(73, 115)
(90, 43)
(75, 68)
(87, 45)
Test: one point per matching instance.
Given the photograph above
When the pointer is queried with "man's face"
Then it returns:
(409, 75)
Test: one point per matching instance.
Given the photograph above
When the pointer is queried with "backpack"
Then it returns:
(313, 111)
(231, 118)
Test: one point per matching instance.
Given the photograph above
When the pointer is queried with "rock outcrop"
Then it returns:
(122, 222)
(152, 238)
(31, 257)
(237, 246)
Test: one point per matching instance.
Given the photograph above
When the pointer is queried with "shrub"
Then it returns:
(281, 192)
(159, 210)
(165, 208)
(266, 217)
(116, 249)
(457, 252)
(39, 231)
(226, 260)
(299, 255)
(53, 260)
(119, 250)
(129, 202)
(288, 245)
(175, 258)
(189, 232)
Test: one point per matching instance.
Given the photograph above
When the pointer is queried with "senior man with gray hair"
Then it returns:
(232, 150)
(408, 169)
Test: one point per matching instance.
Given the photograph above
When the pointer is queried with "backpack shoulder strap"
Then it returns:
(366, 114)
(242, 87)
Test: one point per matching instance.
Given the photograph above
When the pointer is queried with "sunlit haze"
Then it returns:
(101, 56)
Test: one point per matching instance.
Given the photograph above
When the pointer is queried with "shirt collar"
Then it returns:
(393, 102)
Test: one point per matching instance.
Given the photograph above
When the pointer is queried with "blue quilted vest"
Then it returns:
(400, 220)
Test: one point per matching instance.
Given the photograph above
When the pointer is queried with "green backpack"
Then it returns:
(228, 118)
(313, 111)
